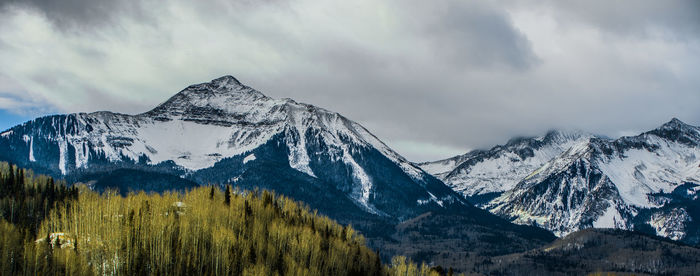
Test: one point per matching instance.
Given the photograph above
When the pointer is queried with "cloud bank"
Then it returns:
(431, 78)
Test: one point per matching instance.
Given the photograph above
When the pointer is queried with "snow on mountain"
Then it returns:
(566, 182)
(651, 163)
(442, 167)
(502, 167)
(249, 158)
(671, 224)
(207, 124)
(565, 195)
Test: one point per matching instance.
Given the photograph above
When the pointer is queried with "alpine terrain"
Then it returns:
(224, 132)
(567, 181)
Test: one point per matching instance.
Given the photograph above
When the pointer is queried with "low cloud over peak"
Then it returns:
(429, 78)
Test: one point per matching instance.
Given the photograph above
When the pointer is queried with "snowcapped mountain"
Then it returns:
(228, 133)
(646, 182)
(490, 172)
(566, 194)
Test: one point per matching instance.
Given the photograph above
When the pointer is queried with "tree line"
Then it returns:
(48, 228)
(26, 199)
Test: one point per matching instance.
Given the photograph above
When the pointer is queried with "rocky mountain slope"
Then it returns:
(646, 182)
(224, 132)
(484, 172)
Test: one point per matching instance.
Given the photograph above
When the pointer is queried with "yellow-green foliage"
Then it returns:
(201, 232)
(194, 233)
(400, 266)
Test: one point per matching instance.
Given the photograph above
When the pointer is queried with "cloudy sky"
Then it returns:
(431, 78)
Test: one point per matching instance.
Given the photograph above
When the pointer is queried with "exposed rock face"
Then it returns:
(567, 182)
(224, 132)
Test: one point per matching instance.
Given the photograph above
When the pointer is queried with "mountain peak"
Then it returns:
(562, 135)
(226, 80)
(676, 130)
(675, 123)
(225, 86)
(223, 95)
(677, 126)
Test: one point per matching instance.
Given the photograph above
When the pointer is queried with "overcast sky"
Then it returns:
(430, 78)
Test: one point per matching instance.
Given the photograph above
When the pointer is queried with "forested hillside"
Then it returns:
(47, 228)
(25, 199)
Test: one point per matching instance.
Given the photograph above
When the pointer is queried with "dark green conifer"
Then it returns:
(227, 196)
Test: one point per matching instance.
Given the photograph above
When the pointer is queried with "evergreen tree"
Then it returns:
(20, 182)
(75, 246)
(11, 180)
(227, 196)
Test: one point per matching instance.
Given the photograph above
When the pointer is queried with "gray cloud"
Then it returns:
(677, 18)
(473, 34)
(430, 78)
(81, 14)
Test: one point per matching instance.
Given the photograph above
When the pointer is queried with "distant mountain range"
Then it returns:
(567, 181)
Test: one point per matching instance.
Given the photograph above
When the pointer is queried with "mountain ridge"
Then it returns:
(226, 125)
(631, 182)
(485, 165)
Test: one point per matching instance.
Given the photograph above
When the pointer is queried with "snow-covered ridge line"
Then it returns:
(217, 131)
(569, 182)
(205, 123)
(502, 167)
